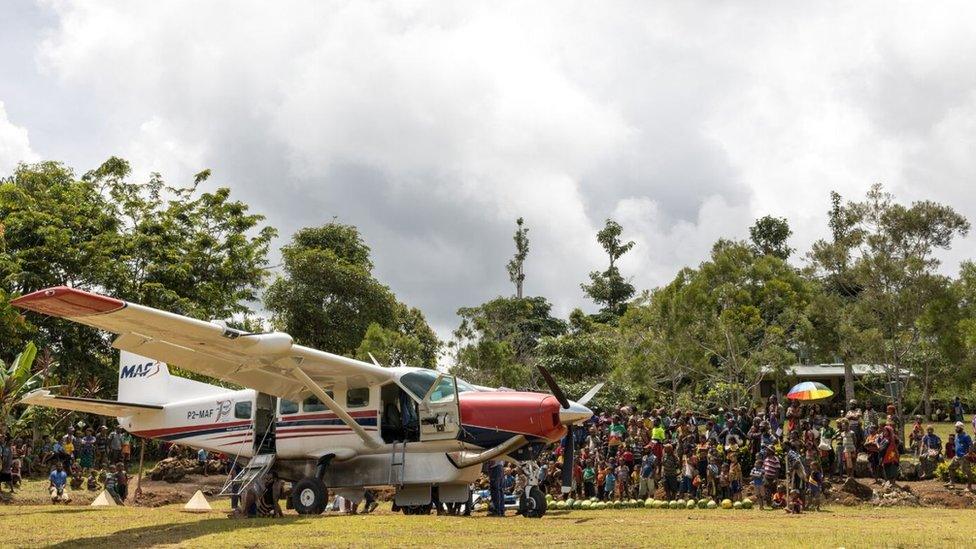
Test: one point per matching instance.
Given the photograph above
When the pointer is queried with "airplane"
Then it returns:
(319, 420)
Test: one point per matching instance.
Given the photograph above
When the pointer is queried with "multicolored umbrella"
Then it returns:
(809, 390)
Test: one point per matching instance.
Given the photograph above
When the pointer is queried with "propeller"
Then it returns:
(569, 449)
(554, 387)
(569, 441)
(590, 394)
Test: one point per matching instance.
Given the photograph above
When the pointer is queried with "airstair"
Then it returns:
(255, 469)
(264, 449)
(397, 459)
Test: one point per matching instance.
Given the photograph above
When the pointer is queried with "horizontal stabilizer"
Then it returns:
(111, 408)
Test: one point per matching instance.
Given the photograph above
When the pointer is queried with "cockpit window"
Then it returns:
(420, 382)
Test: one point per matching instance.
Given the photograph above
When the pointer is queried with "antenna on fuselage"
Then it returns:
(373, 358)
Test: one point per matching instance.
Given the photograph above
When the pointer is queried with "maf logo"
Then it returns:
(148, 369)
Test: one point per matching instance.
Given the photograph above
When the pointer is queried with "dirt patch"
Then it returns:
(933, 493)
(156, 493)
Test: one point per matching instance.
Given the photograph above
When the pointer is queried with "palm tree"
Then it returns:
(16, 379)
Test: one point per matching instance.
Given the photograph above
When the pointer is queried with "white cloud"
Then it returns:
(14, 144)
(433, 125)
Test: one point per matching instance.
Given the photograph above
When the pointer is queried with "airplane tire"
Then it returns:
(309, 496)
(534, 504)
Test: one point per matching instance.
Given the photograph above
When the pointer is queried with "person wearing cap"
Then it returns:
(964, 445)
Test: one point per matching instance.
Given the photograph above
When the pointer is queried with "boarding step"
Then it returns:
(397, 459)
(255, 469)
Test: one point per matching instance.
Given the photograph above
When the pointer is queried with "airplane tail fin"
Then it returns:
(146, 381)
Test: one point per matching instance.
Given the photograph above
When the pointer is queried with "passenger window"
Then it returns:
(288, 407)
(313, 404)
(242, 410)
(357, 398)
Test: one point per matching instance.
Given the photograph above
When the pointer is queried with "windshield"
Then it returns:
(420, 382)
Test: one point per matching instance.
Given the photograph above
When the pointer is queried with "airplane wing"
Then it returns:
(265, 362)
(110, 408)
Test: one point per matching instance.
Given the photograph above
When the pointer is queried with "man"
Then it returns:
(670, 469)
(771, 467)
(929, 451)
(202, 460)
(648, 466)
(957, 409)
(102, 457)
(58, 479)
(115, 445)
(6, 461)
(496, 486)
(964, 444)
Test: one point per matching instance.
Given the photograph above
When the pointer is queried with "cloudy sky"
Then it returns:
(432, 126)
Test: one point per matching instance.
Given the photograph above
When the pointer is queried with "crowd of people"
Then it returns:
(780, 455)
(81, 458)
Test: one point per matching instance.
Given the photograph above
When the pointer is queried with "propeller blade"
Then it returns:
(553, 387)
(569, 449)
(590, 394)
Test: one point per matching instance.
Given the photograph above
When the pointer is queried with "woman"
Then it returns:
(888, 448)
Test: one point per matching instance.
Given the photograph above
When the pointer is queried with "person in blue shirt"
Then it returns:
(610, 484)
(648, 467)
(202, 460)
(929, 452)
(957, 410)
(58, 480)
(964, 445)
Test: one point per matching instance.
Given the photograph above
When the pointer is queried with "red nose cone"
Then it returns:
(532, 414)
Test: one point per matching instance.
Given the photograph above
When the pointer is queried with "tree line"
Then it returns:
(872, 292)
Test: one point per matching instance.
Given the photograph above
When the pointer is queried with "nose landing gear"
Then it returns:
(532, 502)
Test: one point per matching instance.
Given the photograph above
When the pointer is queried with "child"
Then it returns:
(92, 482)
(609, 484)
(794, 505)
(779, 497)
(76, 479)
(757, 482)
(815, 483)
(711, 480)
(724, 483)
(735, 479)
(688, 472)
(14, 474)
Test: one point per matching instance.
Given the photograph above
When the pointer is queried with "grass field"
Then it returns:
(835, 527)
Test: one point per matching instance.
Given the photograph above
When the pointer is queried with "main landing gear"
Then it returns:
(309, 496)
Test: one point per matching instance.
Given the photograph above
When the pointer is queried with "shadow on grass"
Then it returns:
(175, 532)
(50, 510)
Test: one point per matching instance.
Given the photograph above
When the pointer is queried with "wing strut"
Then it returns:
(300, 375)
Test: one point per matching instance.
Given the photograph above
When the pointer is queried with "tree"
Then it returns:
(516, 272)
(17, 378)
(199, 254)
(894, 271)
(328, 298)
(496, 342)
(769, 235)
(608, 287)
(577, 356)
(716, 331)
(411, 343)
(656, 352)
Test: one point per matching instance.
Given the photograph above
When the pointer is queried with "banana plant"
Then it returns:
(17, 378)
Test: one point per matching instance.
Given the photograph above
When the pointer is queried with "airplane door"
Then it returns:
(439, 410)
